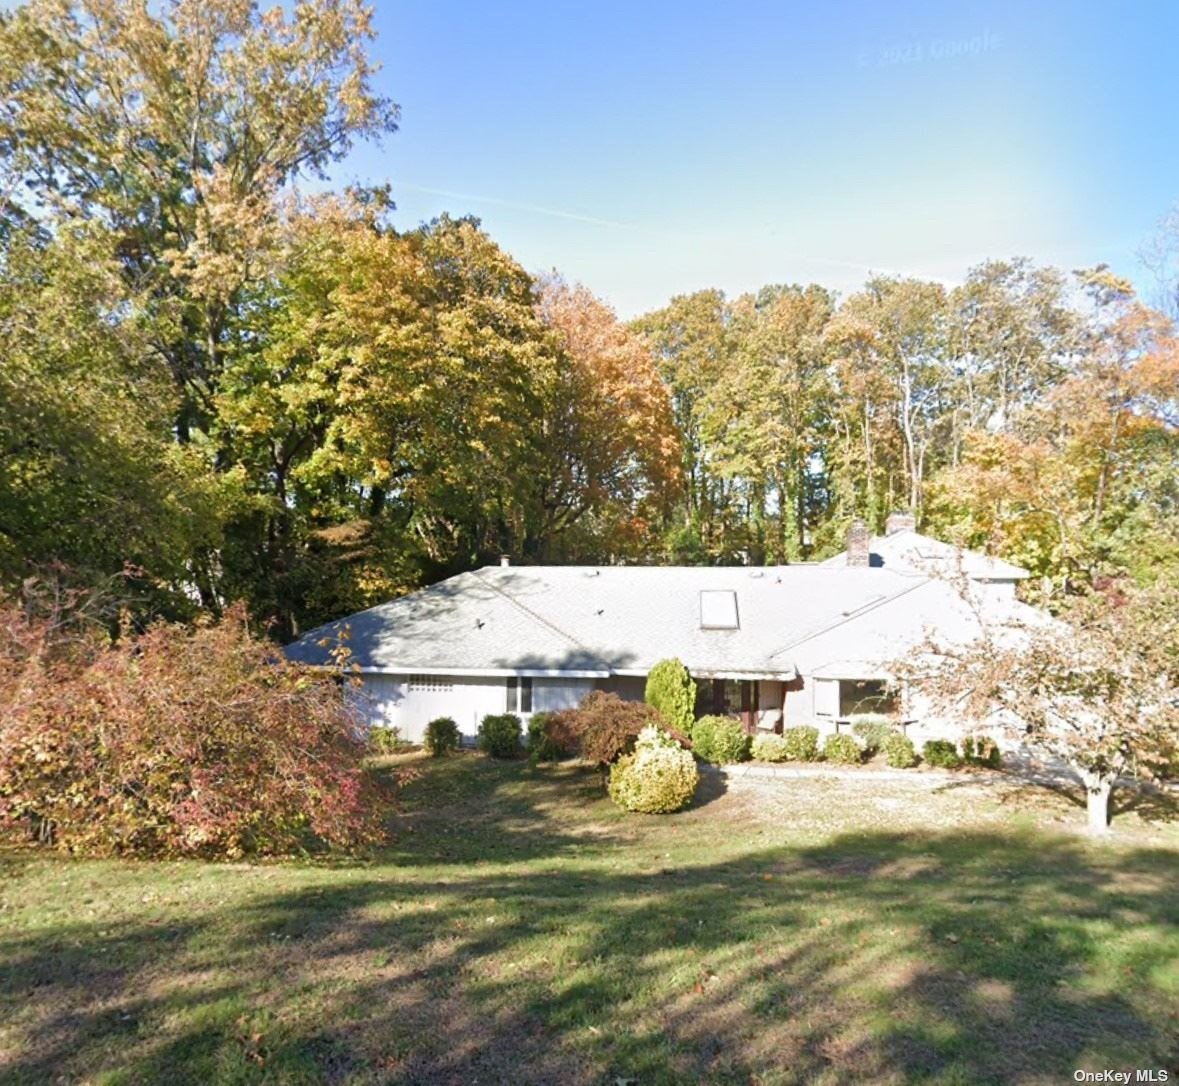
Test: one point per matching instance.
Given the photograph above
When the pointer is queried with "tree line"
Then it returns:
(217, 386)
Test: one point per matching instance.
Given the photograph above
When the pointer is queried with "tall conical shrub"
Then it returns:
(672, 693)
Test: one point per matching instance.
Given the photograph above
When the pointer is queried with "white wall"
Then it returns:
(817, 704)
(387, 701)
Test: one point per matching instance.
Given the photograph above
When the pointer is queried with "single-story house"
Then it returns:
(775, 645)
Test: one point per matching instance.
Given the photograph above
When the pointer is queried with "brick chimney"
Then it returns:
(900, 521)
(858, 544)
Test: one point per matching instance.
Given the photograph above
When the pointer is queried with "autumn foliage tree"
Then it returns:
(608, 449)
(174, 742)
(1098, 689)
(250, 393)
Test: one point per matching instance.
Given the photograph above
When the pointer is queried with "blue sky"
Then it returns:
(648, 149)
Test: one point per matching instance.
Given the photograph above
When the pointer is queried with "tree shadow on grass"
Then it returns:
(1148, 802)
(875, 957)
(1151, 802)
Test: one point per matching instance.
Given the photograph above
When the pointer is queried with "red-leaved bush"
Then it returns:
(604, 727)
(177, 741)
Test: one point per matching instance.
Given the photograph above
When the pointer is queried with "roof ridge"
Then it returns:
(538, 618)
(857, 614)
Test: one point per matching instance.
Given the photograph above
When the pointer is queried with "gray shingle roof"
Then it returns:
(609, 619)
(907, 551)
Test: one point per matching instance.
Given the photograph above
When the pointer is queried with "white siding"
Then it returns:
(390, 701)
(826, 703)
(800, 704)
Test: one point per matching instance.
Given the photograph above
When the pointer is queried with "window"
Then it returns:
(718, 610)
(430, 684)
(858, 696)
(519, 694)
(728, 697)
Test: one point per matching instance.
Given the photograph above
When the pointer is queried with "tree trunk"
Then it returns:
(1098, 790)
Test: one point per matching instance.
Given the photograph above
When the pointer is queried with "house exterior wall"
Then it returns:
(390, 701)
(799, 706)
(627, 687)
(769, 701)
(386, 700)
(817, 704)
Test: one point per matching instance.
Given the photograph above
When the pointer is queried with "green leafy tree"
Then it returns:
(90, 475)
(177, 126)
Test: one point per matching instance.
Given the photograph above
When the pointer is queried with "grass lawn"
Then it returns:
(522, 930)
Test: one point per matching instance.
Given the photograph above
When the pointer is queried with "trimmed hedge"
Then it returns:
(770, 748)
(802, 743)
(720, 739)
(659, 777)
(899, 751)
(872, 729)
(543, 745)
(981, 750)
(442, 736)
(941, 753)
(499, 735)
(843, 750)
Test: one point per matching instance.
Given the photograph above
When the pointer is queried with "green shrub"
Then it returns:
(602, 728)
(843, 750)
(499, 735)
(802, 743)
(442, 736)
(672, 693)
(542, 742)
(659, 777)
(981, 750)
(941, 753)
(770, 748)
(873, 729)
(382, 740)
(899, 751)
(720, 739)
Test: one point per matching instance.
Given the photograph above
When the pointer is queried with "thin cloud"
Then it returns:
(515, 205)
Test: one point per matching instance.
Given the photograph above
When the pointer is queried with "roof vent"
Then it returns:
(505, 559)
(718, 610)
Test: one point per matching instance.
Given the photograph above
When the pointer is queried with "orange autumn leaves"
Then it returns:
(612, 431)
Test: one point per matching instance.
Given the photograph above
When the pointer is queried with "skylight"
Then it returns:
(718, 610)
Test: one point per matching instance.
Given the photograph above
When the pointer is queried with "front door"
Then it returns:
(736, 697)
